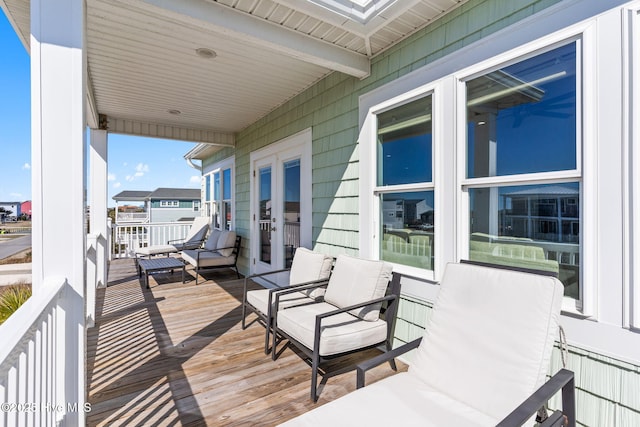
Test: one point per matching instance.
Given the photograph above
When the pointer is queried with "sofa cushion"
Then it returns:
(212, 241)
(227, 240)
(356, 280)
(340, 333)
(207, 259)
(310, 266)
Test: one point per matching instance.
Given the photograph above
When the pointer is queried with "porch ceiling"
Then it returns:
(147, 78)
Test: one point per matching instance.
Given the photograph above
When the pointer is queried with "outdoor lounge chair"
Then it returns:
(486, 349)
(348, 320)
(308, 267)
(192, 240)
(220, 250)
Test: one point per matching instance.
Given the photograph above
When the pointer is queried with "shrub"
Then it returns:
(11, 298)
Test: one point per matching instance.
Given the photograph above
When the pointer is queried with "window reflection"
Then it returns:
(527, 226)
(407, 228)
(523, 118)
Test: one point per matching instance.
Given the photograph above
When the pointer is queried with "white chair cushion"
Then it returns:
(197, 231)
(340, 333)
(227, 240)
(309, 266)
(259, 299)
(156, 250)
(357, 280)
(212, 240)
(399, 400)
(489, 338)
(207, 259)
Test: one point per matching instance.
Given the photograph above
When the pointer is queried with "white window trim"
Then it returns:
(210, 170)
(631, 172)
(170, 203)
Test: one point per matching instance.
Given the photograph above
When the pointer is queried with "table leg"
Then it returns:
(146, 274)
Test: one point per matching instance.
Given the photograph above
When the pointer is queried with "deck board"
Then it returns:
(176, 355)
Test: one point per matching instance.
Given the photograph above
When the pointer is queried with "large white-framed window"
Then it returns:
(521, 163)
(219, 194)
(507, 177)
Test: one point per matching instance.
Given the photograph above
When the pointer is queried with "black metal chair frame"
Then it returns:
(392, 297)
(267, 318)
(235, 253)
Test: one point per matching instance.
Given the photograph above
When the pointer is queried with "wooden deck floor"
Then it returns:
(176, 354)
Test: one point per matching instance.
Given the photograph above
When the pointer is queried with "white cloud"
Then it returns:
(16, 195)
(111, 177)
(116, 185)
(26, 166)
(142, 168)
(195, 179)
(129, 178)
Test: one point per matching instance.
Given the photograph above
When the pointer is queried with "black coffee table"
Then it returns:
(156, 265)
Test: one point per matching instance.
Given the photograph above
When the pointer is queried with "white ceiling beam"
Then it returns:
(165, 131)
(250, 29)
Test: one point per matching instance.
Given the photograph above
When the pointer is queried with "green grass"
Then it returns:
(11, 298)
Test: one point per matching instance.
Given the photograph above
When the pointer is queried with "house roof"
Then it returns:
(158, 193)
(202, 71)
(131, 196)
(546, 190)
(176, 194)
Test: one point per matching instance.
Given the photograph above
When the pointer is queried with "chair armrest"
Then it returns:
(363, 367)
(353, 307)
(174, 240)
(564, 380)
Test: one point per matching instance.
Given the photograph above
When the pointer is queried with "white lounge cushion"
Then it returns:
(356, 280)
(340, 333)
(207, 259)
(156, 250)
(308, 266)
(259, 299)
(226, 240)
(399, 400)
(212, 241)
(489, 338)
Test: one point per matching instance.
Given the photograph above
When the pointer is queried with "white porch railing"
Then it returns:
(138, 217)
(39, 342)
(125, 239)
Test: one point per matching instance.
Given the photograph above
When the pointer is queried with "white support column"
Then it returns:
(58, 82)
(98, 162)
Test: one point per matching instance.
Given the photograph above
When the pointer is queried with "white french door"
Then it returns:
(280, 202)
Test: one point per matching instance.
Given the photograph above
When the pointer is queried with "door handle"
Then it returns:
(273, 229)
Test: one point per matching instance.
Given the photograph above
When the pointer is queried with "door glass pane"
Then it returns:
(264, 220)
(523, 118)
(530, 226)
(291, 209)
(407, 228)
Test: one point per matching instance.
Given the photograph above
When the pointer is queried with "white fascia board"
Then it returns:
(271, 36)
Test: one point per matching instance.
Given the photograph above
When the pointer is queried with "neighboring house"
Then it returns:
(25, 208)
(11, 210)
(316, 118)
(160, 205)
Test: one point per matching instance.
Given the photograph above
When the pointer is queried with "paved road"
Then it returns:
(13, 246)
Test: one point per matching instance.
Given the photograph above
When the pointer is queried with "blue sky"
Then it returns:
(135, 163)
